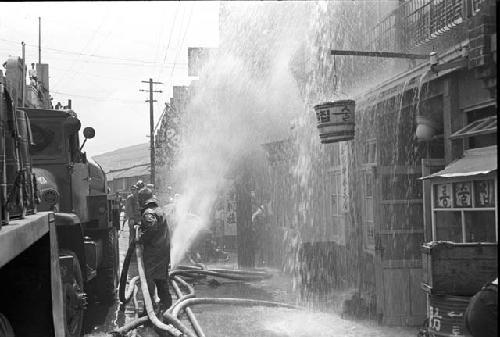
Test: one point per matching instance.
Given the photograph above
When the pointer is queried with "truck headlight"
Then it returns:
(50, 197)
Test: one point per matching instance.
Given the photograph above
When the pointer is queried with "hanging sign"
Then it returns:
(335, 121)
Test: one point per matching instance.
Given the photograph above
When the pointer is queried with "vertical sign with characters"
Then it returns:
(462, 192)
(443, 196)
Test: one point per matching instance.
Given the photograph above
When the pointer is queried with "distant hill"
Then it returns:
(124, 158)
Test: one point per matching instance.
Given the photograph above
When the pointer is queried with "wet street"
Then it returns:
(230, 321)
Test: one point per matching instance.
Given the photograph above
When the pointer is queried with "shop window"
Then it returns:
(448, 226)
(478, 226)
(465, 211)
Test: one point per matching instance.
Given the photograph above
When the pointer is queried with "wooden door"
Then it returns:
(398, 238)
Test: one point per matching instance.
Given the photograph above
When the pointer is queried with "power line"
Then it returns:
(169, 39)
(182, 41)
(67, 52)
(102, 98)
(127, 64)
(73, 73)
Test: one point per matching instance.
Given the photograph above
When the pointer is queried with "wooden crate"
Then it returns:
(459, 269)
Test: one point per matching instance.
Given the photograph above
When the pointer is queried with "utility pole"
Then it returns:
(39, 40)
(151, 125)
(23, 82)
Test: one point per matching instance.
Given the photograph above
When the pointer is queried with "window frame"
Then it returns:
(463, 210)
(338, 219)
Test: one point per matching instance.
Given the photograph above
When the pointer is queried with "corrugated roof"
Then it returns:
(475, 161)
(134, 171)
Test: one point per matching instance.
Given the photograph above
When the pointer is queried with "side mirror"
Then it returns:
(88, 132)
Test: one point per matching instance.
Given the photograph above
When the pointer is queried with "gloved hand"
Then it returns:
(147, 227)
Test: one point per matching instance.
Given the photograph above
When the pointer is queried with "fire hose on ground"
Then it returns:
(174, 326)
(171, 324)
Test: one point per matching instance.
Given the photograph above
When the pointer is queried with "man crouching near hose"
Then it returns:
(155, 237)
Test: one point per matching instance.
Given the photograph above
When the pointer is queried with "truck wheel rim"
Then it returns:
(76, 301)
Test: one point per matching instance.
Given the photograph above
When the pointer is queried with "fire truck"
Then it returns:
(58, 232)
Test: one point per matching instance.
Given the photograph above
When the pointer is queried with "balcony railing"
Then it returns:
(416, 22)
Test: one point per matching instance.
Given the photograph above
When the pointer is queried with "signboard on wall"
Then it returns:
(230, 213)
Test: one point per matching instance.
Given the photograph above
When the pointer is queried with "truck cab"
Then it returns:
(75, 188)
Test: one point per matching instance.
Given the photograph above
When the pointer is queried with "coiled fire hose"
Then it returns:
(192, 319)
(180, 329)
(174, 326)
(237, 275)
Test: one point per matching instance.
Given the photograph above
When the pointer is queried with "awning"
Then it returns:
(475, 161)
(480, 127)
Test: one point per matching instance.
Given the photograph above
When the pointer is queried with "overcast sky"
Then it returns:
(99, 52)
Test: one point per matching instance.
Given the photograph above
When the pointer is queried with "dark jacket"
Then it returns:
(155, 237)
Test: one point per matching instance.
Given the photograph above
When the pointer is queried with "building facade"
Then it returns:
(359, 209)
(354, 215)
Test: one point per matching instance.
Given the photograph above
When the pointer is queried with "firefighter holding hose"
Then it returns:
(132, 214)
(155, 237)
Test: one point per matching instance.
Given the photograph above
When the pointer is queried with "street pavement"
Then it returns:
(234, 321)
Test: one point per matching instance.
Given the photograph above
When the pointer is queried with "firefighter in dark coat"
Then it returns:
(132, 211)
(155, 237)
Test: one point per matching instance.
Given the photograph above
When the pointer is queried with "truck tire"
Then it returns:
(5, 327)
(74, 297)
(106, 281)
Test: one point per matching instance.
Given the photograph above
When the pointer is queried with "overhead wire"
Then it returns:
(179, 46)
(169, 39)
(163, 64)
(68, 52)
(182, 41)
(103, 98)
(62, 78)
(92, 38)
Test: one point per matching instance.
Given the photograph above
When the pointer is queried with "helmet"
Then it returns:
(145, 194)
(139, 184)
(151, 201)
